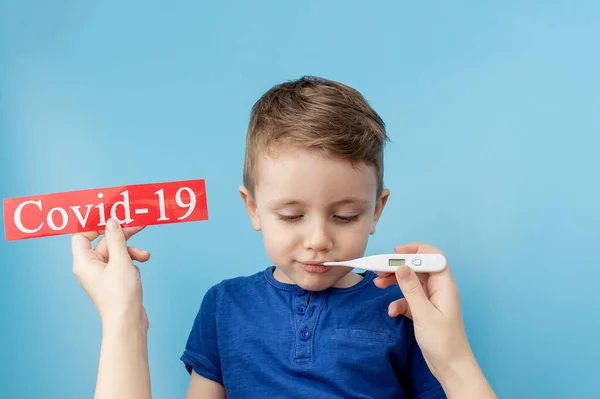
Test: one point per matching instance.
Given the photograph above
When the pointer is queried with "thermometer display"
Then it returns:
(397, 262)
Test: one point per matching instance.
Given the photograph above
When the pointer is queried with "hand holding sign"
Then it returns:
(108, 275)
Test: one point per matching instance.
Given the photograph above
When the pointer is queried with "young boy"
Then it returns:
(313, 185)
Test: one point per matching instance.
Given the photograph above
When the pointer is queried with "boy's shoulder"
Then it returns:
(236, 286)
(238, 282)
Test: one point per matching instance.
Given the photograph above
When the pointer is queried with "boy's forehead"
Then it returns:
(299, 174)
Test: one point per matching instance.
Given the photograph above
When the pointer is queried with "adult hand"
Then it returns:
(431, 300)
(108, 275)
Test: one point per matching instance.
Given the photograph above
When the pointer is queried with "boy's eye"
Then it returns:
(347, 219)
(342, 219)
(289, 218)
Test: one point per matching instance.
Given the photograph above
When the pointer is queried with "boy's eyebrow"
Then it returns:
(348, 200)
(351, 200)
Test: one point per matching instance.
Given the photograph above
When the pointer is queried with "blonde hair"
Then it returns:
(318, 114)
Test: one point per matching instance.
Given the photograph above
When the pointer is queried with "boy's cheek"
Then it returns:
(278, 252)
(276, 238)
(354, 240)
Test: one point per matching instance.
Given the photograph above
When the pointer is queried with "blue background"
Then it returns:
(493, 108)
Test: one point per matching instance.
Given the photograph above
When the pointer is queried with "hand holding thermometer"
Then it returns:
(421, 263)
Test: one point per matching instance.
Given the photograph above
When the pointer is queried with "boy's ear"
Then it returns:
(250, 207)
(381, 201)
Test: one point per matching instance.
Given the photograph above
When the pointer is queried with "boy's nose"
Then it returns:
(318, 240)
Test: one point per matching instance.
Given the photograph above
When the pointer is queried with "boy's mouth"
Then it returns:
(313, 267)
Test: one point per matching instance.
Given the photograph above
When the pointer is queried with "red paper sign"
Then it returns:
(87, 210)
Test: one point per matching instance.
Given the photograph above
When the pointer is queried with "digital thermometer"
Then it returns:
(423, 263)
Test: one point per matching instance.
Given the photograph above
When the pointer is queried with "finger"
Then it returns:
(102, 248)
(116, 244)
(91, 235)
(384, 282)
(399, 307)
(81, 247)
(84, 260)
(79, 243)
(410, 248)
(444, 291)
(413, 291)
(138, 255)
(390, 279)
(82, 242)
(424, 279)
(416, 247)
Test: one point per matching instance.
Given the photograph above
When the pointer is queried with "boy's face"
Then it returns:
(312, 209)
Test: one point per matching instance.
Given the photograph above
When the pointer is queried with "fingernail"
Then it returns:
(403, 272)
(111, 225)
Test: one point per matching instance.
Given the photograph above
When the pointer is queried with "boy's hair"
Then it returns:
(317, 114)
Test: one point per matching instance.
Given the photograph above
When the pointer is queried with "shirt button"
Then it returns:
(300, 309)
(299, 291)
(304, 334)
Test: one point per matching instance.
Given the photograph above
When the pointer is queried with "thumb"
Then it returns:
(411, 287)
(116, 243)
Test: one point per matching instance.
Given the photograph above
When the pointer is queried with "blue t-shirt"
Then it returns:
(261, 338)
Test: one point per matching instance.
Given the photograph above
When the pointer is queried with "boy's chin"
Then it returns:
(312, 284)
(318, 281)
(312, 281)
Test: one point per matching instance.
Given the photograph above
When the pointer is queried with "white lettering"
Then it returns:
(100, 208)
(126, 207)
(58, 218)
(81, 219)
(190, 205)
(161, 205)
(17, 217)
(50, 220)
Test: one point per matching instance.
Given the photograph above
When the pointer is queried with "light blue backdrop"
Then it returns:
(493, 108)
